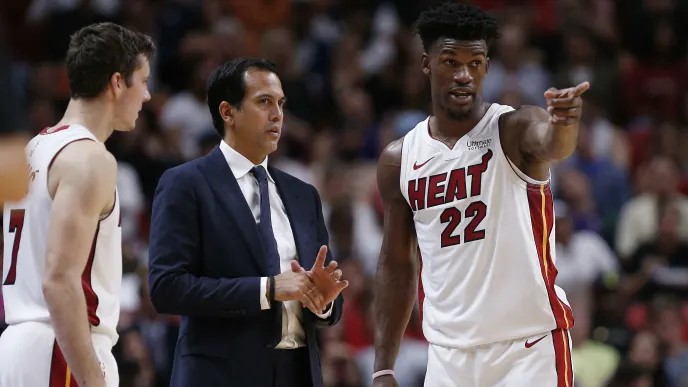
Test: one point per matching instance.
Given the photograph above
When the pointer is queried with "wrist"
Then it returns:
(380, 373)
(271, 290)
(268, 296)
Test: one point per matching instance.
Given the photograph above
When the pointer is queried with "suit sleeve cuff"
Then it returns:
(325, 315)
(264, 302)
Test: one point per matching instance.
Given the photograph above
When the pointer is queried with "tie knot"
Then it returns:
(260, 173)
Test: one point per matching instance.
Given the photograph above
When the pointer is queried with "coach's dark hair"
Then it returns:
(458, 21)
(99, 50)
(228, 83)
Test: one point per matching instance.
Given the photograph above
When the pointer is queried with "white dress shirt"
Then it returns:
(293, 335)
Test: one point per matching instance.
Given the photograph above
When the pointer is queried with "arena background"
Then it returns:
(351, 72)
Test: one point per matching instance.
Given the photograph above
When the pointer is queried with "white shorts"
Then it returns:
(542, 360)
(30, 357)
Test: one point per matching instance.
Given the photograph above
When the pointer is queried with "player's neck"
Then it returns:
(95, 115)
(444, 126)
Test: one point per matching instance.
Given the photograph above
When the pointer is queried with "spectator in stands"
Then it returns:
(516, 67)
(582, 256)
(639, 218)
(644, 352)
(609, 183)
(660, 266)
(667, 322)
(594, 362)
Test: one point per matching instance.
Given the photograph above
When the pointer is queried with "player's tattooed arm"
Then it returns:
(534, 137)
(396, 278)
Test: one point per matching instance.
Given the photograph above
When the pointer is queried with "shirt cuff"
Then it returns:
(326, 314)
(264, 302)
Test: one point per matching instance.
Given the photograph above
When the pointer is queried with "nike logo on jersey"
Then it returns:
(416, 165)
(528, 345)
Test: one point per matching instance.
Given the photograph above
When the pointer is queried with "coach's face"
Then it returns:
(456, 69)
(255, 126)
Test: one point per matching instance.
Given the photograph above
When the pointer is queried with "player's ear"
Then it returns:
(227, 112)
(425, 63)
(117, 83)
(487, 65)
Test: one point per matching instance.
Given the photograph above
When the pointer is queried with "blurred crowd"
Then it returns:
(351, 72)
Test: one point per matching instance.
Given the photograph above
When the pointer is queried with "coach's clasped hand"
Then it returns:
(326, 280)
(291, 286)
(315, 289)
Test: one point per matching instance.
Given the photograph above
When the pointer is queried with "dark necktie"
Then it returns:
(265, 224)
(270, 244)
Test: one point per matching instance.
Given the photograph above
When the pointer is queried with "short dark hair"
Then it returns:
(99, 50)
(228, 83)
(456, 20)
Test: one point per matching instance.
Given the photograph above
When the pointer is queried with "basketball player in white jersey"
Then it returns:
(467, 195)
(62, 262)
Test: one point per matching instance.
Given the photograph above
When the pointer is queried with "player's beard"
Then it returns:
(460, 114)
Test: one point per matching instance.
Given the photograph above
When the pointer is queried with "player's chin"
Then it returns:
(126, 128)
(461, 113)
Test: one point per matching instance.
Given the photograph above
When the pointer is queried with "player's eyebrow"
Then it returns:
(474, 52)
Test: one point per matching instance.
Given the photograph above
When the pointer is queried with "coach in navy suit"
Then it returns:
(238, 249)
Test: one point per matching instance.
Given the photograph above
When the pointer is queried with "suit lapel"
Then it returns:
(226, 189)
(293, 205)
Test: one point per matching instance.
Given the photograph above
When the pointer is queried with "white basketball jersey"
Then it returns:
(25, 229)
(485, 234)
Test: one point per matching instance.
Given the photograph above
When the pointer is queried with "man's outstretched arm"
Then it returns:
(534, 137)
(396, 278)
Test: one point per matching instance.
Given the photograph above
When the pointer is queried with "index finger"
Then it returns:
(320, 258)
(581, 88)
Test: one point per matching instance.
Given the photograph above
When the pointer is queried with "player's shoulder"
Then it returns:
(518, 117)
(85, 156)
(84, 164)
(389, 171)
(391, 154)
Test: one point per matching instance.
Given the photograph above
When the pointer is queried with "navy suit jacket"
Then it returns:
(205, 264)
